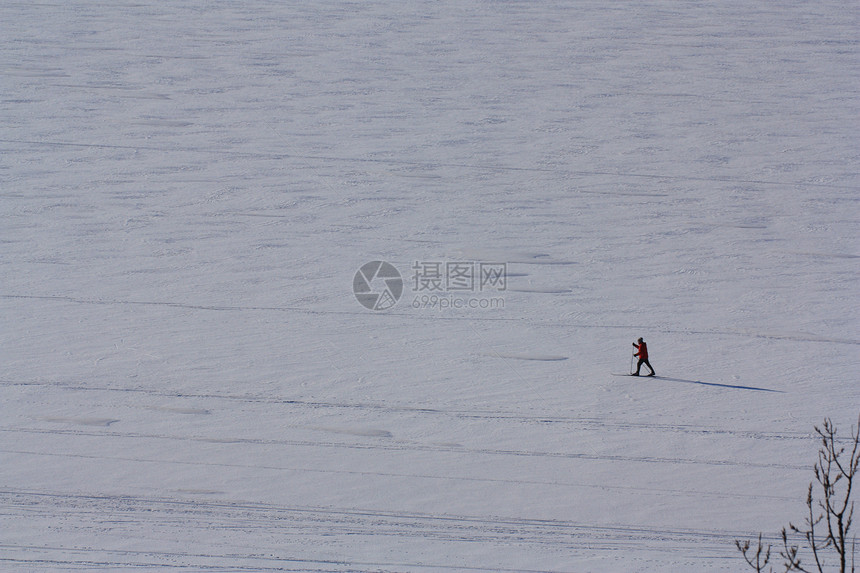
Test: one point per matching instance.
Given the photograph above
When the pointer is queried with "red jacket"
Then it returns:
(643, 351)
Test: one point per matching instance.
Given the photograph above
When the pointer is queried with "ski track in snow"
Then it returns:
(392, 315)
(168, 517)
(396, 446)
(584, 423)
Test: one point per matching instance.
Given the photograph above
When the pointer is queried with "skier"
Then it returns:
(642, 353)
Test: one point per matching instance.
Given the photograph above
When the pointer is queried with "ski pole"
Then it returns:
(632, 360)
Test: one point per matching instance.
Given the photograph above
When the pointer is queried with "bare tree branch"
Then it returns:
(828, 530)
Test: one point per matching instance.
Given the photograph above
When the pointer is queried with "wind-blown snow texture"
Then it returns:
(188, 189)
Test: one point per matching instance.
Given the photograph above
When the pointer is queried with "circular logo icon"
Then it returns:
(377, 285)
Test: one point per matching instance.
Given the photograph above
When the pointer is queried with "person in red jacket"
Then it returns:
(642, 353)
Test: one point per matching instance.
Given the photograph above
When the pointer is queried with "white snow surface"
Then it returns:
(188, 189)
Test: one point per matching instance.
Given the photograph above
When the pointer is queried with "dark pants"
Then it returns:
(646, 363)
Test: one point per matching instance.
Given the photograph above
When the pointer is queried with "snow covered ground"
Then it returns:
(188, 188)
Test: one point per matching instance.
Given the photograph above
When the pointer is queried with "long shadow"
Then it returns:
(733, 387)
